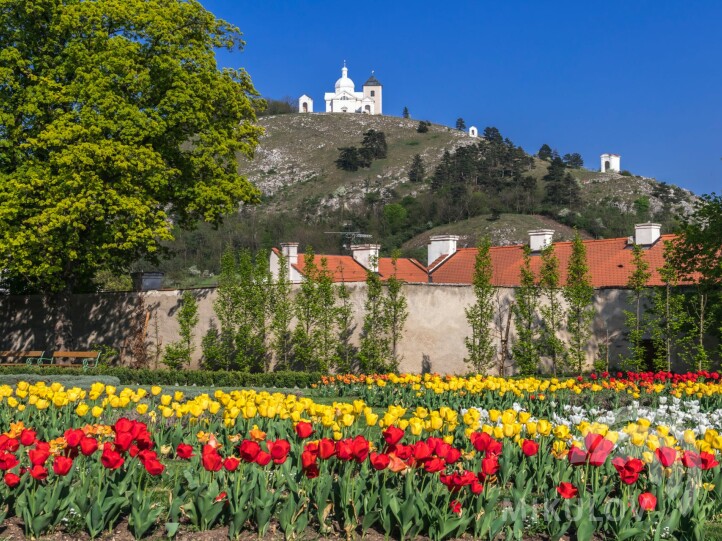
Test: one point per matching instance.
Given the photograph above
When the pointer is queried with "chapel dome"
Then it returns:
(344, 83)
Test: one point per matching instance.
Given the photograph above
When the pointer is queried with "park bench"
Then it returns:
(88, 359)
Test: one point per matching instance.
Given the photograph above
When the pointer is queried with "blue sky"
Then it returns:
(638, 78)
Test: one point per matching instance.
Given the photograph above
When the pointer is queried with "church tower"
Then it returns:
(372, 89)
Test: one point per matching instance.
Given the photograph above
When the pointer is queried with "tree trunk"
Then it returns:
(59, 307)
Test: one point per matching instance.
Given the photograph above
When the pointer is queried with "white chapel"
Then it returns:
(345, 99)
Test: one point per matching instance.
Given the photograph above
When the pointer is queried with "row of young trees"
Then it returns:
(263, 324)
(663, 323)
(542, 308)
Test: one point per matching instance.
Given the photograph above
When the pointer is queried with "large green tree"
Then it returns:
(480, 315)
(115, 125)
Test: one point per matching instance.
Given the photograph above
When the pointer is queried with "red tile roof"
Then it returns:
(610, 263)
(408, 270)
(345, 268)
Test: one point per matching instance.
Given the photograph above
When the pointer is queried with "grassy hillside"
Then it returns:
(295, 166)
(305, 196)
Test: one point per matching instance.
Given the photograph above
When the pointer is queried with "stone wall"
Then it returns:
(433, 338)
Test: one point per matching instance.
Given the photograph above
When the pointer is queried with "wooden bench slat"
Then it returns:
(75, 354)
(21, 353)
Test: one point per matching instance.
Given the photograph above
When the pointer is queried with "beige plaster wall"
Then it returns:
(433, 339)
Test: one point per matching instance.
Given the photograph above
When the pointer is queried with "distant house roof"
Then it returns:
(609, 260)
(372, 81)
(344, 268)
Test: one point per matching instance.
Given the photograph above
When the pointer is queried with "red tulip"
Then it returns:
(707, 460)
(489, 467)
(690, 460)
(28, 437)
(38, 457)
(647, 501)
(453, 455)
(598, 448)
(666, 456)
(326, 448)
(8, 444)
(576, 456)
(62, 465)
(279, 450)
(73, 436)
(455, 507)
(184, 451)
(38, 472)
(393, 435)
(123, 440)
(404, 452)
(360, 448)
(434, 465)
(421, 451)
(529, 447)
(304, 429)
(222, 496)
(110, 458)
(263, 458)
(476, 487)
(88, 445)
(123, 425)
(153, 467)
(379, 461)
(210, 459)
(231, 463)
(312, 471)
(344, 449)
(307, 459)
(567, 490)
(11, 479)
(8, 461)
(480, 441)
(249, 450)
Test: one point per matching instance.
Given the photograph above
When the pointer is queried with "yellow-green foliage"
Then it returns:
(115, 123)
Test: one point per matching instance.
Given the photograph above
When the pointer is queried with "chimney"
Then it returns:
(441, 245)
(540, 239)
(290, 252)
(647, 234)
(367, 255)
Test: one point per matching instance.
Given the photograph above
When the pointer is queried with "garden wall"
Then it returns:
(433, 338)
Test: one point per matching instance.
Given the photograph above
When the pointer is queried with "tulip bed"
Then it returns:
(623, 456)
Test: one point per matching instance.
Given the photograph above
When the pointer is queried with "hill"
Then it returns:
(472, 187)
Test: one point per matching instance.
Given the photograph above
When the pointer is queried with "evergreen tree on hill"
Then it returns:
(417, 171)
(460, 124)
(405, 114)
(573, 160)
(545, 152)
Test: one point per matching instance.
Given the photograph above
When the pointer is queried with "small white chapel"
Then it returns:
(345, 99)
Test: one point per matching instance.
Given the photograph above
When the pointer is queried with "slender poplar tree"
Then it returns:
(282, 309)
(178, 354)
(395, 312)
(374, 352)
(480, 345)
(669, 315)
(637, 284)
(552, 311)
(579, 296)
(525, 349)
(345, 358)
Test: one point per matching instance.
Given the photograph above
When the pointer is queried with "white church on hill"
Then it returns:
(345, 99)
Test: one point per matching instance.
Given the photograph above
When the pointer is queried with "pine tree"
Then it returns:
(282, 314)
(374, 351)
(178, 354)
(524, 350)
(405, 114)
(545, 152)
(395, 312)
(480, 345)
(349, 159)
(579, 295)
(552, 311)
(423, 126)
(460, 124)
(417, 171)
(637, 283)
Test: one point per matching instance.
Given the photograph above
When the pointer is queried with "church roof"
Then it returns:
(372, 81)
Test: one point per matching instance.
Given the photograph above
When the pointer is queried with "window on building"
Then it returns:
(373, 93)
